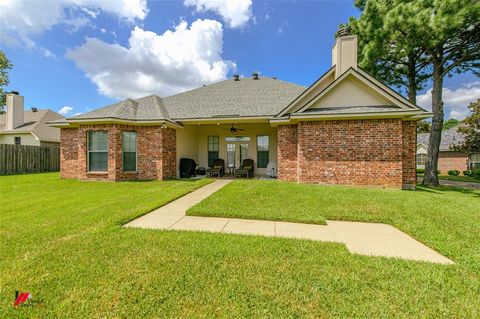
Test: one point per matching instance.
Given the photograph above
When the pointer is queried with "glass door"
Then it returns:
(243, 153)
(234, 160)
(231, 155)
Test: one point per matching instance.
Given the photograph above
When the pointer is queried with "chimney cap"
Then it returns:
(255, 75)
(34, 109)
(343, 31)
(236, 77)
(14, 92)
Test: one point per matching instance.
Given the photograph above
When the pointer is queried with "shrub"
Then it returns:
(468, 172)
(476, 173)
(453, 172)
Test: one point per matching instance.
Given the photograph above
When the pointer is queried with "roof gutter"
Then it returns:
(216, 120)
(111, 120)
(407, 115)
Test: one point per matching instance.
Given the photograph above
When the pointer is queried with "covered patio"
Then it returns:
(233, 142)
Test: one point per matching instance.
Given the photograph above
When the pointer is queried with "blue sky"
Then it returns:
(78, 55)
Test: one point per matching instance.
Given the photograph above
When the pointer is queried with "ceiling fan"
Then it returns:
(234, 129)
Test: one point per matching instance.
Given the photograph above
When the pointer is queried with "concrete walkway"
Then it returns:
(370, 239)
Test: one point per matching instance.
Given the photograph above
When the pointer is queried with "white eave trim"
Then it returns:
(215, 120)
(413, 115)
(73, 122)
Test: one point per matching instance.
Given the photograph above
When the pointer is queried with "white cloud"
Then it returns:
(65, 110)
(175, 61)
(455, 100)
(235, 13)
(20, 19)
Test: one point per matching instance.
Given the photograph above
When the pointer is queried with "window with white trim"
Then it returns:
(129, 151)
(474, 160)
(421, 159)
(97, 151)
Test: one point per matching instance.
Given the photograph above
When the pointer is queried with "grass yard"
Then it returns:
(62, 241)
(460, 178)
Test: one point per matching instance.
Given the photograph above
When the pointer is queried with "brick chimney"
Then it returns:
(14, 110)
(344, 53)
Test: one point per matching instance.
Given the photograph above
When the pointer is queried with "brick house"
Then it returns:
(448, 158)
(27, 127)
(346, 128)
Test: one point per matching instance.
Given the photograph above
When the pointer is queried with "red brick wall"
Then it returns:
(409, 136)
(349, 152)
(287, 152)
(69, 153)
(452, 160)
(156, 153)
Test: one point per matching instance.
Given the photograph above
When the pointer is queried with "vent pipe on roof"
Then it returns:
(255, 75)
(236, 77)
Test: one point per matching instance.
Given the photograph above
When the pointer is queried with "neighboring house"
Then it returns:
(448, 159)
(21, 127)
(346, 128)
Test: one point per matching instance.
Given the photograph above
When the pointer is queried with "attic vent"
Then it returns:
(236, 77)
(255, 75)
(34, 109)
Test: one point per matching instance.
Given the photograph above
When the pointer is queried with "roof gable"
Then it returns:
(354, 92)
(349, 92)
(354, 89)
(319, 85)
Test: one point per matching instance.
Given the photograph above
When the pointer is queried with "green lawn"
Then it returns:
(455, 178)
(62, 241)
(459, 178)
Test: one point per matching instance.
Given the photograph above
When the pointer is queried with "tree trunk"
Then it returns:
(430, 178)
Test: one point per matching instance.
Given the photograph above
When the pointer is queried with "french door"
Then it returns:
(236, 153)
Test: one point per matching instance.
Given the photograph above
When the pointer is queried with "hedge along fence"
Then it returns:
(18, 159)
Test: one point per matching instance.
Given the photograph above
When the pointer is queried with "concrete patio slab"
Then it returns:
(369, 239)
(209, 224)
(250, 227)
(377, 239)
(305, 231)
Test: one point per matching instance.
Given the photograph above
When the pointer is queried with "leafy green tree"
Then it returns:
(449, 33)
(386, 49)
(438, 37)
(423, 127)
(471, 130)
(5, 65)
(450, 123)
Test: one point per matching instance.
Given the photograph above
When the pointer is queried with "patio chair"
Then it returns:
(218, 168)
(245, 169)
(187, 167)
(272, 169)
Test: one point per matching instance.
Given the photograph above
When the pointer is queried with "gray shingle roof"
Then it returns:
(353, 110)
(35, 122)
(247, 97)
(450, 137)
(146, 108)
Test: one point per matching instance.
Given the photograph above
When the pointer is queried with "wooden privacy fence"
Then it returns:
(17, 159)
